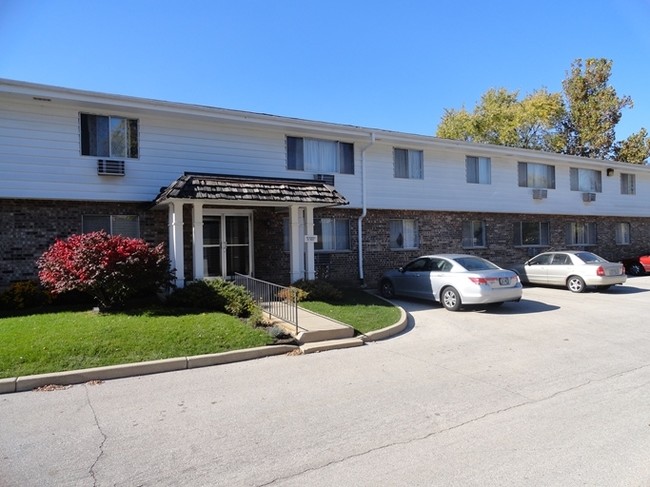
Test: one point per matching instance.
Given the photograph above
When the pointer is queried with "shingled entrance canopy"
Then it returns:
(248, 190)
(222, 211)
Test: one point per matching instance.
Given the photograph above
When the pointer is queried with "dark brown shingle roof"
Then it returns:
(240, 188)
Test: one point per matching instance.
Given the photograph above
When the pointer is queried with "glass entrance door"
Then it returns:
(226, 245)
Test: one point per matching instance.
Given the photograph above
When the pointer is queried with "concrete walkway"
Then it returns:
(316, 333)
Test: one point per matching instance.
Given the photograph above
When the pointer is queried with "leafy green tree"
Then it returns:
(580, 121)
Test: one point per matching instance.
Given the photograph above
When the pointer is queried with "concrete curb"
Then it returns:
(389, 331)
(29, 382)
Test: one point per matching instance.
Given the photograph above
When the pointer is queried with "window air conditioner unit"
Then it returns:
(325, 178)
(588, 197)
(107, 167)
(540, 194)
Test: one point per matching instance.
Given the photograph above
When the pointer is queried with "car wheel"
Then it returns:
(450, 299)
(575, 284)
(635, 269)
(387, 289)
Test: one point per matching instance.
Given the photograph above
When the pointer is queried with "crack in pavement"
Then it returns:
(91, 471)
(457, 426)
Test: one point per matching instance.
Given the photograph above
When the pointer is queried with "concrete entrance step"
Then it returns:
(314, 347)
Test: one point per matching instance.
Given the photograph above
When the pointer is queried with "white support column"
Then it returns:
(176, 241)
(310, 272)
(197, 240)
(295, 247)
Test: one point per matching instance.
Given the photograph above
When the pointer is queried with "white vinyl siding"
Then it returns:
(478, 170)
(408, 164)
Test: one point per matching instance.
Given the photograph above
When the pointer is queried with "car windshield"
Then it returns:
(589, 257)
(474, 263)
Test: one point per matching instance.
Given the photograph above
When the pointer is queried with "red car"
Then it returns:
(637, 266)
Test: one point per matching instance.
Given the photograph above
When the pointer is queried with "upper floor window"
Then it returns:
(580, 234)
(125, 225)
(622, 233)
(404, 234)
(408, 163)
(478, 170)
(320, 156)
(474, 234)
(532, 175)
(628, 183)
(104, 136)
(531, 234)
(587, 180)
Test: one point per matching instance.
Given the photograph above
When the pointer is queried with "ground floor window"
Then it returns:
(623, 233)
(474, 234)
(333, 234)
(125, 225)
(404, 234)
(581, 234)
(226, 245)
(530, 234)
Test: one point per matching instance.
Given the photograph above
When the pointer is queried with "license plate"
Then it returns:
(504, 281)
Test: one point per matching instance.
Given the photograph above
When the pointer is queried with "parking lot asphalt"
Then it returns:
(553, 390)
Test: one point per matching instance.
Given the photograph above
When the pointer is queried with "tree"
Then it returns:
(580, 121)
(112, 269)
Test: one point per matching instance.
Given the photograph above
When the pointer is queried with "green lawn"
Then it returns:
(55, 340)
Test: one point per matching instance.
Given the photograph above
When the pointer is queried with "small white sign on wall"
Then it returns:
(311, 238)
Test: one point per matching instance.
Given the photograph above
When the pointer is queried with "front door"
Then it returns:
(226, 245)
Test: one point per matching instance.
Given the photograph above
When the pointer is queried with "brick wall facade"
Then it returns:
(29, 227)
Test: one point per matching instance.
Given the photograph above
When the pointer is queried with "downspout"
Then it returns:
(364, 208)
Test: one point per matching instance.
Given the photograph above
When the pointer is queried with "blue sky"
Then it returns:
(382, 64)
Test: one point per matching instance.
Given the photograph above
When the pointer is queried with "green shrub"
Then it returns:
(218, 295)
(23, 294)
(319, 290)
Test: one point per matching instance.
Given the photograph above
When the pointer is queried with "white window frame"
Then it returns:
(408, 163)
(333, 234)
(543, 234)
(319, 155)
(125, 225)
(581, 234)
(622, 233)
(478, 170)
(474, 234)
(536, 175)
(586, 180)
(403, 234)
(120, 140)
(628, 183)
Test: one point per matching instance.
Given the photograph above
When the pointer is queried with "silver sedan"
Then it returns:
(572, 269)
(453, 280)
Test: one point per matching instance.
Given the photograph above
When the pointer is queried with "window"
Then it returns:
(474, 234)
(530, 234)
(580, 234)
(586, 180)
(320, 156)
(109, 136)
(408, 164)
(125, 225)
(333, 234)
(478, 170)
(533, 175)
(404, 234)
(623, 233)
(628, 183)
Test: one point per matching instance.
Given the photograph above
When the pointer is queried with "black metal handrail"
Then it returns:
(278, 301)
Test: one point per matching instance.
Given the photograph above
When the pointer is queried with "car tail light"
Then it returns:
(478, 280)
(600, 271)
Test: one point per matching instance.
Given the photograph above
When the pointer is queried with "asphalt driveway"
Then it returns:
(554, 390)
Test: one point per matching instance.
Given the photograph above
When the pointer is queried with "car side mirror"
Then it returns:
(401, 269)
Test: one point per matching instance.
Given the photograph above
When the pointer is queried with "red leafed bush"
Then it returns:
(111, 268)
